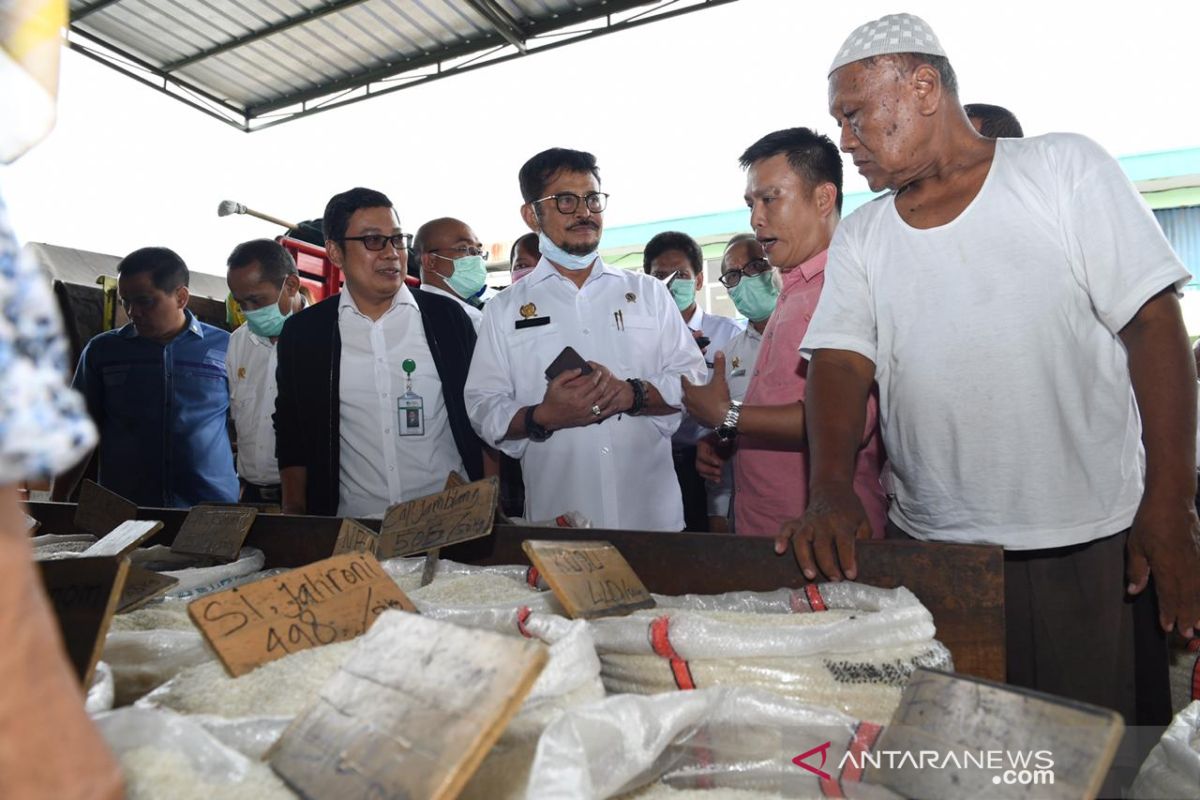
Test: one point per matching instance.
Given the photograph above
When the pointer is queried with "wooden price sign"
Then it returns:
(142, 586)
(99, 510)
(411, 714)
(458, 514)
(84, 593)
(354, 537)
(125, 538)
(1055, 748)
(590, 579)
(328, 601)
(214, 531)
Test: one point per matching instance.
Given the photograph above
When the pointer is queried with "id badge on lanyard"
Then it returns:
(410, 408)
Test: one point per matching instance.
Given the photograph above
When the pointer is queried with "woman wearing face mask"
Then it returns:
(524, 256)
(452, 263)
(262, 278)
(753, 286)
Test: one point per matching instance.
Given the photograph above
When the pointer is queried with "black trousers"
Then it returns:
(691, 485)
(253, 493)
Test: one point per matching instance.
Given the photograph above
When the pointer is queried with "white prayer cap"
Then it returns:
(895, 33)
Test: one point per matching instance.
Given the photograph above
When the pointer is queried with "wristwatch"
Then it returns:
(535, 432)
(727, 430)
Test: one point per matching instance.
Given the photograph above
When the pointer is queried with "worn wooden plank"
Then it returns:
(124, 538)
(99, 510)
(984, 739)
(354, 537)
(142, 586)
(329, 601)
(590, 579)
(456, 514)
(216, 532)
(410, 714)
(84, 593)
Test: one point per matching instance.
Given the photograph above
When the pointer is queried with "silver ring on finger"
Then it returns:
(595, 410)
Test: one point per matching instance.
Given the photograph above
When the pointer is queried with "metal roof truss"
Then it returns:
(258, 63)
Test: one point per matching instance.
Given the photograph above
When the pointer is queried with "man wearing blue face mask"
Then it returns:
(596, 437)
(453, 263)
(263, 279)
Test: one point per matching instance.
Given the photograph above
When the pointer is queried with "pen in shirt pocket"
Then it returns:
(619, 318)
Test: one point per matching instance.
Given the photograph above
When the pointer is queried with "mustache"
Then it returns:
(583, 224)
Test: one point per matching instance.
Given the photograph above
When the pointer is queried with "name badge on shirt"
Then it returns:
(410, 408)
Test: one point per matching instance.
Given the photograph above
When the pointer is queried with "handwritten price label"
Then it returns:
(328, 601)
(458, 514)
(590, 579)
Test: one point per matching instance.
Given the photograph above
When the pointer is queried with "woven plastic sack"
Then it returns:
(166, 755)
(570, 679)
(729, 739)
(100, 692)
(1185, 675)
(197, 581)
(844, 646)
(1172, 770)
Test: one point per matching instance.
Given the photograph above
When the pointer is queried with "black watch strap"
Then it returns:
(639, 396)
(535, 432)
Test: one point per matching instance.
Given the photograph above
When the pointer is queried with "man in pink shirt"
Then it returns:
(794, 191)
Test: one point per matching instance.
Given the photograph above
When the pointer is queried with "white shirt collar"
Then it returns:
(403, 297)
(545, 270)
(697, 320)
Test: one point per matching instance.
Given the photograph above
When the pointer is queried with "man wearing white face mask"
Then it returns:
(452, 263)
(263, 279)
(596, 441)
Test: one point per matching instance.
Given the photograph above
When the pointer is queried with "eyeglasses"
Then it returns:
(753, 267)
(461, 252)
(377, 241)
(566, 202)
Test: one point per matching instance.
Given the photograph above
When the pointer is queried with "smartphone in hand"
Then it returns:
(567, 359)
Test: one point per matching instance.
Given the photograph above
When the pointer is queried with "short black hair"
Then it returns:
(812, 155)
(166, 268)
(342, 206)
(536, 173)
(274, 261)
(996, 122)
(673, 240)
(528, 242)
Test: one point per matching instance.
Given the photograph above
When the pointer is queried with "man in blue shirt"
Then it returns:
(156, 388)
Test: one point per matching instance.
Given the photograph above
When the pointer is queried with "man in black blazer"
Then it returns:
(370, 409)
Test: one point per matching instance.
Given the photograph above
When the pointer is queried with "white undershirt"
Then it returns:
(1004, 391)
(472, 311)
(378, 466)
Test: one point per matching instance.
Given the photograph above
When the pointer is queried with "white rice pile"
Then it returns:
(153, 773)
(169, 615)
(279, 688)
(472, 590)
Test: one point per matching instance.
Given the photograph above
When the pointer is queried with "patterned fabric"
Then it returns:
(894, 33)
(43, 426)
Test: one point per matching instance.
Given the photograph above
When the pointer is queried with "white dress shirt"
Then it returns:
(740, 354)
(719, 331)
(618, 473)
(250, 365)
(472, 310)
(378, 466)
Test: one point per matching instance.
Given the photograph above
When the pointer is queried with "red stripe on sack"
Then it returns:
(814, 597)
(531, 576)
(1193, 645)
(830, 788)
(865, 736)
(523, 614)
(563, 521)
(1196, 678)
(660, 640)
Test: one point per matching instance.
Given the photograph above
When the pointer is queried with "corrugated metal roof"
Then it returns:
(254, 63)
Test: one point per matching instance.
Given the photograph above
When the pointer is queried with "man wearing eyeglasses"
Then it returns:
(794, 191)
(453, 263)
(595, 440)
(370, 408)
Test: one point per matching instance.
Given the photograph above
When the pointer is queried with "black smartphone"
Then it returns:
(703, 342)
(567, 359)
